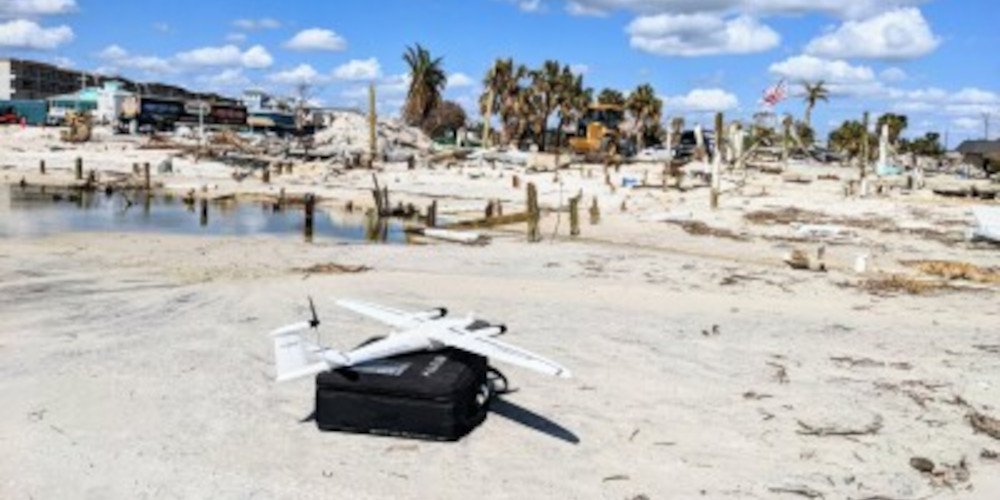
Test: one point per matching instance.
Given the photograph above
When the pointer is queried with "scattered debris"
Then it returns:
(833, 430)
(698, 228)
(922, 464)
(332, 268)
(954, 270)
(464, 237)
(616, 477)
(780, 374)
(896, 283)
(985, 424)
(987, 224)
(869, 363)
(804, 491)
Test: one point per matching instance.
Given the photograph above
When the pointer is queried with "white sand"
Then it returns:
(137, 366)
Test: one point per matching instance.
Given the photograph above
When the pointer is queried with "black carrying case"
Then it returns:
(440, 395)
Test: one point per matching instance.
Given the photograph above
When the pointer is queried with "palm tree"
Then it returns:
(427, 82)
(814, 92)
(502, 81)
(611, 96)
(849, 138)
(573, 101)
(896, 125)
(645, 108)
(547, 82)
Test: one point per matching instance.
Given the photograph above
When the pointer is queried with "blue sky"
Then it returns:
(934, 60)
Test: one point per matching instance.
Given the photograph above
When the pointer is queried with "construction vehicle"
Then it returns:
(598, 131)
(78, 127)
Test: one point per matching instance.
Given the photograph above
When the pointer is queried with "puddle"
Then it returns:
(35, 212)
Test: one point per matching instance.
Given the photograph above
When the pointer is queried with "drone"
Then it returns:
(296, 357)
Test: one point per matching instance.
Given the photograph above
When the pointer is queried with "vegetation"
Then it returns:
(897, 123)
(814, 92)
(445, 119)
(611, 96)
(849, 138)
(427, 83)
(646, 110)
(928, 145)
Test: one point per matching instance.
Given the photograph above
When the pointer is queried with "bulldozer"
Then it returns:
(598, 132)
(79, 127)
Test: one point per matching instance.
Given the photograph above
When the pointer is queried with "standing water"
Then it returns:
(34, 211)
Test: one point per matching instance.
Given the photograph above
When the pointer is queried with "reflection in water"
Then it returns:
(32, 211)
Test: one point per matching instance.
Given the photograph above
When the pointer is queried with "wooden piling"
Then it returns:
(864, 146)
(574, 215)
(79, 168)
(595, 212)
(488, 212)
(203, 216)
(309, 208)
(41, 167)
(432, 214)
(516, 182)
(266, 175)
(281, 200)
(135, 168)
(372, 121)
(147, 181)
(288, 167)
(534, 234)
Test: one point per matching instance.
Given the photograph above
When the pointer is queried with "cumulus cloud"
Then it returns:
(229, 78)
(317, 39)
(236, 37)
(24, 34)
(457, 80)
(301, 74)
(893, 74)
(264, 23)
(702, 100)
(256, 57)
(700, 35)
(32, 8)
(897, 34)
(358, 69)
(805, 67)
(118, 58)
(530, 5)
(847, 9)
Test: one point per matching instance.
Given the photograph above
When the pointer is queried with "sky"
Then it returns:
(936, 61)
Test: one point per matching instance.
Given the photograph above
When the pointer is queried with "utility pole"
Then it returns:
(372, 146)
(487, 118)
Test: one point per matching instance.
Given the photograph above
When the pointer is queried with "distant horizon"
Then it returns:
(920, 58)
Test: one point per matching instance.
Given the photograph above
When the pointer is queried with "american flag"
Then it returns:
(774, 95)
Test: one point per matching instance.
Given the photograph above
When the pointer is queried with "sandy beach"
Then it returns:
(136, 365)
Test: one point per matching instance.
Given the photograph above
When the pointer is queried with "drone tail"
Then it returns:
(296, 357)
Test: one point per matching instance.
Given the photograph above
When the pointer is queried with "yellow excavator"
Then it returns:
(79, 127)
(598, 132)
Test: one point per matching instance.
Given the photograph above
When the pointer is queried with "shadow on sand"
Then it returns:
(532, 420)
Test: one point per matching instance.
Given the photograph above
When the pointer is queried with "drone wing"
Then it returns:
(502, 351)
(392, 317)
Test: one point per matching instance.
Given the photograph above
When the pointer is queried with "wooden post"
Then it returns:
(145, 172)
(288, 167)
(489, 209)
(534, 234)
(79, 168)
(203, 217)
(310, 207)
(377, 195)
(499, 207)
(716, 163)
(386, 206)
(786, 133)
(595, 212)
(864, 145)
(574, 215)
(372, 120)
(516, 182)
(266, 175)
(41, 167)
(281, 199)
(432, 211)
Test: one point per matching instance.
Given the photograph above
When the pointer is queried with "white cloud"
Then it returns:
(893, 74)
(702, 100)
(63, 62)
(967, 123)
(264, 23)
(392, 85)
(530, 5)
(118, 58)
(317, 39)
(236, 37)
(301, 74)
(229, 78)
(32, 8)
(897, 34)
(804, 67)
(457, 80)
(358, 69)
(227, 55)
(847, 9)
(700, 35)
(579, 69)
(257, 57)
(24, 34)
(161, 27)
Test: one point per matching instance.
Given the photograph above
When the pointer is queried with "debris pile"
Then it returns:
(347, 135)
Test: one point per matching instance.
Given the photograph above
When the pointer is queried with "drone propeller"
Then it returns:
(314, 322)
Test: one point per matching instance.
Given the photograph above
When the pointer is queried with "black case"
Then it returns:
(440, 395)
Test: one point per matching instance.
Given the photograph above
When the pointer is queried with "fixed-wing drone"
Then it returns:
(296, 357)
